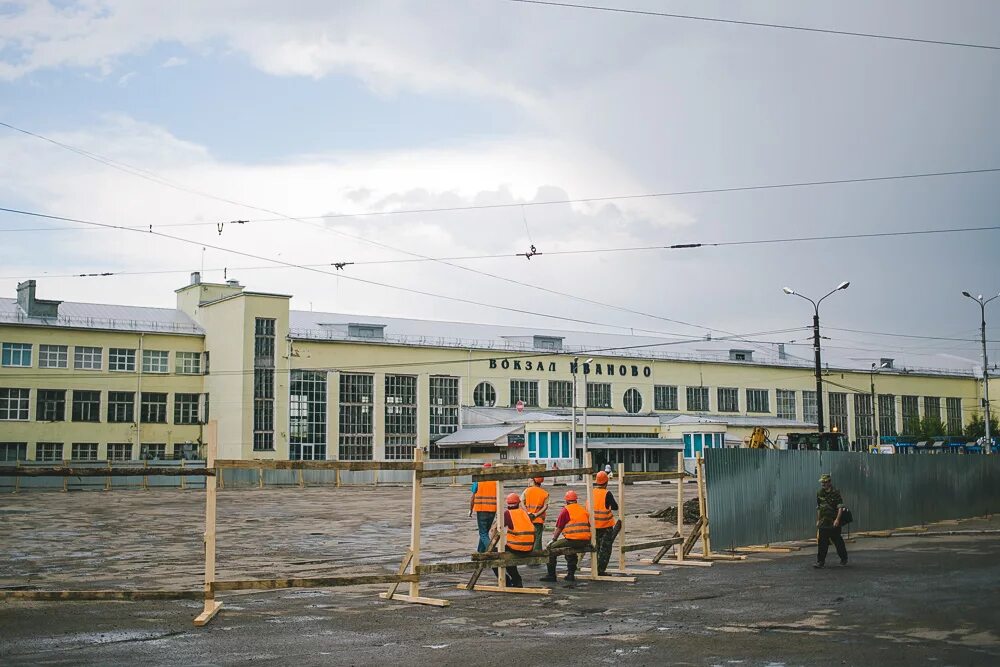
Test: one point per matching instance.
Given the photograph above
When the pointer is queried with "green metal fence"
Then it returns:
(764, 496)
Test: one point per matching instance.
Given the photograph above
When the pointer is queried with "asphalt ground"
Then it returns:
(901, 601)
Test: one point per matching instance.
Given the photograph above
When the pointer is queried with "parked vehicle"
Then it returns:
(827, 442)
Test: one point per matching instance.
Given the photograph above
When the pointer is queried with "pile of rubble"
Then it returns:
(691, 512)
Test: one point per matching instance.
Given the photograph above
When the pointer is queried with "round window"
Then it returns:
(484, 396)
(633, 401)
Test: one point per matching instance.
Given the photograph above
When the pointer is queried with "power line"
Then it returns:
(756, 24)
(900, 335)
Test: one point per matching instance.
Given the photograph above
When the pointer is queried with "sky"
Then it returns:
(278, 113)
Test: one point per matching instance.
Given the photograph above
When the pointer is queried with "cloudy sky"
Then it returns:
(258, 110)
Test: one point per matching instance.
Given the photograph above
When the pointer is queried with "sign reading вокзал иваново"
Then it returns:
(597, 368)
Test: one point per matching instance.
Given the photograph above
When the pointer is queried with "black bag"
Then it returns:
(846, 517)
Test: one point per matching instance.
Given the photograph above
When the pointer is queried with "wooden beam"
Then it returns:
(677, 563)
(402, 569)
(680, 506)
(415, 505)
(506, 589)
(486, 556)
(433, 602)
(603, 577)
(131, 596)
(212, 606)
(588, 479)
(706, 541)
(628, 571)
(317, 465)
(131, 471)
(690, 540)
(528, 555)
(632, 477)
(640, 546)
(312, 582)
(211, 609)
(518, 472)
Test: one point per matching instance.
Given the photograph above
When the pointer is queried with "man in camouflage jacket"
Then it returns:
(829, 511)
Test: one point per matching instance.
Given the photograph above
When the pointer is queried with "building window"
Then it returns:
(910, 414)
(119, 451)
(838, 412)
(263, 344)
(186, 408)
(356, 431)
(632, 401)
(932, 409)
(444, 405)
(13, 451)
(188, 363)
(697, 399)
(84, 451)
(524, 390)
(729, 399)
(121, 359)
(401, 417)
(954, 407)
(307, 416)
(155, 361)
(154, 408)
(86, 406)
(664, 397)
(810, 411)
(88, 358)
(50, 405)
(560, 394)
(152, 452)
(484, 395)
(14, 404)
(758, 400)
(886, 414)
(549, 445)
(53, 356)
(786, 403)
(49, 451)
(598, 394)
(16, 354)
(121, 407)
(864, 420)
(263, 384)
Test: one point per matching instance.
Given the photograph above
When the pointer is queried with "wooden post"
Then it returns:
(706, 543)
(415, 504)
(145, 478)
(680, 506)
(589, 479)
(502, 535)
(183, 478)
(260, 478)
(302, 479)
(211, 605)
(107, 480)
(17, 478)
(336, 477)
(621, 516)
(454, 479)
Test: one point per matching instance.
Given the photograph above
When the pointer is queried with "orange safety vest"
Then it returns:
(522, 536)
(485, 499)
(578, 527)
(603, 518)
(535, 498)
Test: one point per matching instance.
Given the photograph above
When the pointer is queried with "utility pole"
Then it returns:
(986, 377)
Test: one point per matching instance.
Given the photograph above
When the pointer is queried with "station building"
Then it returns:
(91, 382)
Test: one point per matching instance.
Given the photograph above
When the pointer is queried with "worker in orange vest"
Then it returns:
(604, 521)
(520, 536)
(573, 525)
(484, 503)
(536, 503)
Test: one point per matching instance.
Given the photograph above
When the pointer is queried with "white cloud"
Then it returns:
(174, 61)
(124, 79)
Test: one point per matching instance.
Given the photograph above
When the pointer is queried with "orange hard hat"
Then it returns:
(513, 499)
(538, 480)
(570, 495)
(601, 478)
(487, 465)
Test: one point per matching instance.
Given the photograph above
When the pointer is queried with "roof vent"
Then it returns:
(885, 362)
(196, 277)
(781, 351)
(233, 283)
(741, 355)
(33, 307)
(547, 342)
(358, 330)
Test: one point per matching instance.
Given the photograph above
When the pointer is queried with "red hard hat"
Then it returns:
(538, 480)
(513, 499)
(601, 478)
(487, 465)
(570, 495)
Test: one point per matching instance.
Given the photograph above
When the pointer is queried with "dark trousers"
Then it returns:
(538, 537)
(605, 540)
(483, 521)
(513, 576)
(571, 559)
(829, 534)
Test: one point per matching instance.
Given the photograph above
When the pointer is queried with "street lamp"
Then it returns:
(875, 369)
(816, 350)
(986, 379)
(574, 368)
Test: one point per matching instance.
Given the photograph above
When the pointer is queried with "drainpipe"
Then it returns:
(138, 398)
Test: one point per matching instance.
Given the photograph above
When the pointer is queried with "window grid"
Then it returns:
(886, 414)
(632, 400)
(119, 451)
(14, 404)
(50, 405)
(16, 355)
(729, 399)
(911, 414)
(838, 412)
(307, 416)
(444, 405)
(263, 384)
(155, 361)
(785, 398)
(263, 345)
(356, 442)
(484, 395)
(188, 363)
(86, 406)
(153, 409)
(598, 394)
(13, 451)
(121, 359)
(560, 394)
(932, 408)
(810, 409)
(152, 451)
(400, 447)
(758, 400)
(84, 451)
(524, 390)
(88, 358)
(49, 451)
(697, 399)
(186, 408)
(53, 356)
(954, 412)
(864, 419)
(121, 407)
(664, 397)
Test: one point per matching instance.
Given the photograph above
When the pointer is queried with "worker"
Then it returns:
(574, 526)
(520, 536)
(484, 503)
(536, 503)
(829, 512)
(604, 521)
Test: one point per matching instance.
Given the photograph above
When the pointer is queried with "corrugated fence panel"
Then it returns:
(765, 496)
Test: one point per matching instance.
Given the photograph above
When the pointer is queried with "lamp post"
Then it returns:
(986, 379)
(586, 367)
(875, 369)
(816, 350)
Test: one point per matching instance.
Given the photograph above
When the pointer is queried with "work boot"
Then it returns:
(819, 566)
(551, 575)
(571, 574)
(843, 562)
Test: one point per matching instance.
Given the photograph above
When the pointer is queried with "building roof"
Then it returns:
(110, 317)
(737, 421)
(473, 435)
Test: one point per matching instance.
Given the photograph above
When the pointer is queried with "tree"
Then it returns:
(931, 427)
(976, 428)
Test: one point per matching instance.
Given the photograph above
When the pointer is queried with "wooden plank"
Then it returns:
(588, 479)
(690, 540)
(501, 535)
(604, 577)
(131, 471)
(433, 602)
(211, 609)
(402, 569)
(415, 505)
(628, 571)
(513, 472)
(769, 550)
(706, 541)
(528, 555)
(211, 605)
(734, 558)
(680, 506)
(640, 546)
(317, 465)
(621, 516)
(507, 589)
(482, 566)
(312, 582)
(131, 596)
(678, 563)
(634, 477)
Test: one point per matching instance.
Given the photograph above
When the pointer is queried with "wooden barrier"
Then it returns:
(130, 471)
(212, 606)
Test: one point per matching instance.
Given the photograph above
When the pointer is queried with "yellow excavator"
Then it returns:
(760, 438)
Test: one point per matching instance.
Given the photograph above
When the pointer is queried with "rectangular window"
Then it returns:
(444, 405)
(401, 416)
(910, 414)
(758, 400)
(954, 407)
(84, 451)
(307, 416)
(263, 343)
(886, 414)
(153, 409)
(838, 412)
(598, 395)
(188, 363)
(53, 356)
(121, 359)
(932, 408)
(49, 451)
(664, 397)
(14, 404)
(560, 394)
(729, 399)
(697, 399)
(16, 354)
(119, 451)
(155, 361)
(786, 403)
(86, 406)
(88, 358)
(810, 410)
(121, 407)
(50, 405)
(152, 452)
(524, 390)
(13, 451)
(356, 427)
(864, 420)
(263, 384)
(186, 408)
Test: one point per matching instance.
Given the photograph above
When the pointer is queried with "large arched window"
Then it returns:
(633, 401)
(484, 395)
